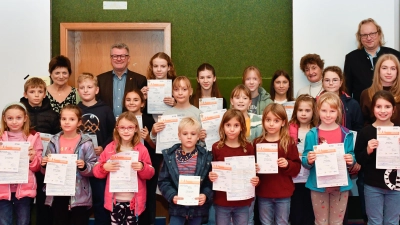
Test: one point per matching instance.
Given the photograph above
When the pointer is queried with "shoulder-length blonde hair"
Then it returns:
(233, 114)
(19, 106)
(130, 116)
(333, 101)
(309, 100)
(376, 81)
(279, 111)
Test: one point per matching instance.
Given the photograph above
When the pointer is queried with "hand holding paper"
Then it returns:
(111, 166)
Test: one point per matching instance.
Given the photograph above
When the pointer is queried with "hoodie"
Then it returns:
(98, 119)
(263, 100)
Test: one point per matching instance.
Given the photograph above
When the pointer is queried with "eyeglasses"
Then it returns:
(335, 80)
(122, 57)
(371, 35)
(130, 128)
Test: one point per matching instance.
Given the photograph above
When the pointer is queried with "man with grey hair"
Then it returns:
(360, 64)
(114, 84)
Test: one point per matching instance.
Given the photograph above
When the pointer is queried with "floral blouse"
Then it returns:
(70, 99)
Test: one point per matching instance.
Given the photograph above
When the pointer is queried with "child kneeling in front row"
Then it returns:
(187, 159)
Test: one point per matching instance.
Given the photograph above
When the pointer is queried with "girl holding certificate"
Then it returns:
(274, 190)
(72, 209)
(125, 207)
(232, 142)
(281, 88)
(186, 159)
(260, 98)
(160, 67)
(330, 203)
(134, 102)
(304, 118)
(382, 195)
(206, 85)
(17, 198)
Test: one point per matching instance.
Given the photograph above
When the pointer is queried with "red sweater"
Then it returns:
(280, 185)
(219, 154)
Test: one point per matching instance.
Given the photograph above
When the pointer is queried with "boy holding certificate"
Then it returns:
(186, 159)
(44, 120)
(98, 122)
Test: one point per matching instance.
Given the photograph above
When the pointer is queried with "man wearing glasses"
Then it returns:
(115, 83)
(360, 63)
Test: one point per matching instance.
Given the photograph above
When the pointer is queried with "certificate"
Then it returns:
(210, 104)
(68, 188)
(224, 172)
(125, 179)
(303, 174)
(326, 160)
(243, 169)
(158, 90)
(140, 122)
(289, 108)
(14, 162)
(189, 190)
(340, 179)
(388, 138)
(169, 136)
(386, 157)
(94, 140)
(56, 170)
(45, 140)
(210, 121)
(267, 157)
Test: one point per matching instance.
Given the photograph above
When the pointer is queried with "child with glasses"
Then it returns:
(125, 207)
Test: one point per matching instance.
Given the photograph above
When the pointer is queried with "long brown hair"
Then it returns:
(136, 137)
(19, 106)
(279, 111)
(171, 73)
(376, 81)
(289, 93)
(310, 100)
(214, 89)
(233, 114)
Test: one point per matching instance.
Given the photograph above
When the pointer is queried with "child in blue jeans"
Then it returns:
(186, 159)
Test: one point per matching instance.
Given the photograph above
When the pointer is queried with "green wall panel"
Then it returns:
(229, 34)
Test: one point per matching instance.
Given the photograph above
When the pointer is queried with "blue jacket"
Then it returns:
(310, 142)
(168, 181)
(85, 151)
(354, 116)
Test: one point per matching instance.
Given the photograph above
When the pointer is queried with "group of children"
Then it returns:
(254, 117)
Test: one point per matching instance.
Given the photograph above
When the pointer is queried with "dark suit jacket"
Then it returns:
(358, 70)
(105, 81)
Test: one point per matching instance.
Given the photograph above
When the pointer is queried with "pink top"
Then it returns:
(15, 136)
(331, 136)
(68, 145)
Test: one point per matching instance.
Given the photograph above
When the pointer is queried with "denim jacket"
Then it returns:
(85, 151)
(168, 182)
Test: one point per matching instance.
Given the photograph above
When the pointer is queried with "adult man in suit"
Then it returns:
(114, 84)
(360, 63)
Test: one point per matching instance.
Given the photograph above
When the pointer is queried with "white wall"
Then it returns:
(328, 28)
(24, 45)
